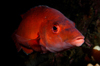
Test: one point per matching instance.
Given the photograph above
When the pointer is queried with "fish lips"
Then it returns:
(78, 41)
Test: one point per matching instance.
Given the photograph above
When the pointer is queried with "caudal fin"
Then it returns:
(15, 41)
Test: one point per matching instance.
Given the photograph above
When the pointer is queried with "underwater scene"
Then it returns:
(84, 13)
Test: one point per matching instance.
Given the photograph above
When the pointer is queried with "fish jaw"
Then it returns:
(65, 45)
(57, 48)
(58, 45)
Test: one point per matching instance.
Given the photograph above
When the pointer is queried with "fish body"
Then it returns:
(46, 29)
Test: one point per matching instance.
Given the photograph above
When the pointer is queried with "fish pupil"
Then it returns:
(54, 28)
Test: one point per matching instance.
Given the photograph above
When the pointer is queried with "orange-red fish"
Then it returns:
(46, 29)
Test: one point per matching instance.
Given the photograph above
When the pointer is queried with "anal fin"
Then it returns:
(26, 50)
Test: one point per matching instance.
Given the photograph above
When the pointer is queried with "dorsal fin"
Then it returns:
(31, 10)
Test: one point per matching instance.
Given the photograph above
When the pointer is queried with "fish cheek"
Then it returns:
(52, 39)
(55, 43)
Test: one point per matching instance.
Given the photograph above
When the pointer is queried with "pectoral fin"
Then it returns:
(28, 45)
(34, 44)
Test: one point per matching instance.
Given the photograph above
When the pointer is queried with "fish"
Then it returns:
(44, 29)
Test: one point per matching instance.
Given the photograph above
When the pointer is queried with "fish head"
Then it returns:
(60, 34)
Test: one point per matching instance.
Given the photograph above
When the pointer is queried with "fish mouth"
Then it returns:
(78, 41)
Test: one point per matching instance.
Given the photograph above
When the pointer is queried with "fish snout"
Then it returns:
(78, 41)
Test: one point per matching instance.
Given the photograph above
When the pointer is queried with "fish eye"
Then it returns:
(55, 28)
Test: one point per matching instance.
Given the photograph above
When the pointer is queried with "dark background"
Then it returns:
(74, 10)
